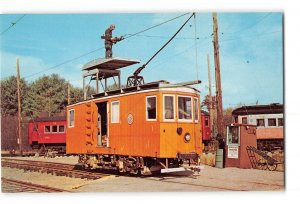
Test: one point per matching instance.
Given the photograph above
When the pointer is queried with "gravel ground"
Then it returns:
(209, 179)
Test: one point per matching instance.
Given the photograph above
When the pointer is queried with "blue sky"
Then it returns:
(250, 49)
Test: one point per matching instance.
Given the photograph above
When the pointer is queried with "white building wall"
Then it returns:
(252, 119)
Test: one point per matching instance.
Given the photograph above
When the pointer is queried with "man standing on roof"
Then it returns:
(109, 41)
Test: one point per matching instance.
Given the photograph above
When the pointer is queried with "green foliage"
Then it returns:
(47, 94)
(9, 96)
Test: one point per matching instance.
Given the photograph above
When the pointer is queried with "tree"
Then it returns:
(9, 97)
(46, 94)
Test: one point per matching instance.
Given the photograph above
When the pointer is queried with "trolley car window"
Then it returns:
(206, 121)
(115, 111)
(151, 107)
(54, 128)
(280, 121)
(184, 108)
(272, 122)
(196, 109)
(47, 128)
(244, 120)
(169, 108)
(61, 128)
(261, 122)
(71, 118)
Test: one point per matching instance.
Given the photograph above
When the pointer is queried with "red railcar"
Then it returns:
(48, 132)
(206, 130)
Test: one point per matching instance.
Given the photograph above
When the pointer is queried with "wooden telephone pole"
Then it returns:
(220, 122)
(19, 110)
(211, 119)
(69, 94)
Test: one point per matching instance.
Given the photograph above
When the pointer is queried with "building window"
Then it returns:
(272, 122)
(280, 121)
(151, 108)
(260, 122)
(54, 128)
(196, 109)
(233, 137)
(47, 128)
(206, 121)
(115, 112)
(168, 112)
(244, 120)
(184, 108)
(61, 128)
(71, 118)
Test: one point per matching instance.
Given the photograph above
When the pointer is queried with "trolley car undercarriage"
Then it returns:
(138, 165)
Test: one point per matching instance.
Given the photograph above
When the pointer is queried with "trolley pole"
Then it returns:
(220, 122)
(19, 110)
(210, 100)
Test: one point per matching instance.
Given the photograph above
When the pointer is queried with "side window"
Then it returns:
(61, 128)
(272, 122)
(47, 129)
(71, 118)
(280, 121)
(260, 122)
(54, 128)
(151, 108)
(244, 120)
(115, 112)
(168, 111)
(206, 121)
(184, 108)
(196, 109)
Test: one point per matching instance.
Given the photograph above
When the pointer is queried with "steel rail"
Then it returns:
(58, 169)
(13, 186)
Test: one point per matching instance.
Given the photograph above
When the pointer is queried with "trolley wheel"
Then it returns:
(272, 167)
(262, 164)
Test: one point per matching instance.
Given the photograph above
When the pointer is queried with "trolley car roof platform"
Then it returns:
(109, 63)
(102, 69)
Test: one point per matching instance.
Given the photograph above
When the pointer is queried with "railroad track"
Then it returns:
(15, 186)
(58, 169)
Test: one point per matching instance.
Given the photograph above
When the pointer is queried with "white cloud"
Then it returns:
(28, 65)
(37, 68)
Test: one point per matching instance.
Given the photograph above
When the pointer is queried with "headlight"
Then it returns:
(187, 137)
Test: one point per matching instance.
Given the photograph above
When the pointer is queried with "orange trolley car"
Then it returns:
(141, 129)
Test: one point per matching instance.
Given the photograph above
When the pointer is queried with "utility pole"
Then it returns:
(210, 100)
(69, 93)
(220, 122)
(19, 110)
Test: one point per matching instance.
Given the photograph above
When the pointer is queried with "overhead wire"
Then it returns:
(131, 35)
(249, 36)
(163, 61)
(85, 54)
(13, 24)
(138, 34)
(252, 25)
(65, 62)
